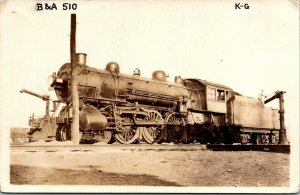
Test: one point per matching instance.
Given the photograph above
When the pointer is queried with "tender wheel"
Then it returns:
(175, 131)
(274, 138)
(103, 136)
(153, 133)
(245, 138)
(262, 139)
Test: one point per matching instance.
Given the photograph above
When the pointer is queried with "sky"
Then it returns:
(249, 50)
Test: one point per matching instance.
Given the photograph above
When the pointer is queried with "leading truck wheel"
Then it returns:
(63, 133)
(58, 133)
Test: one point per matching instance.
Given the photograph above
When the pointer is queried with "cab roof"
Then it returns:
(204, 82)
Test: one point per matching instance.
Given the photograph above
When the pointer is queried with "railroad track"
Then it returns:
(107, 147)
(266, 148)
(48, 147)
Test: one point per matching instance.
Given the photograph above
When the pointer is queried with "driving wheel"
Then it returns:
(153, 134)
(175, 130)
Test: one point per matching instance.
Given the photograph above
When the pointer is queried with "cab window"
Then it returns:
(211, 93)
(220, 95)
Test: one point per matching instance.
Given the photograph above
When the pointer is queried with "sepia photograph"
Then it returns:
(149, 96)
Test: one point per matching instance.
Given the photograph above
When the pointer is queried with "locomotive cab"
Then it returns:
(217, 97)
(207, 101)
(208, 96)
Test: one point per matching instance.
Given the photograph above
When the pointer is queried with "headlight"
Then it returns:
(52, 79)
(59, 80)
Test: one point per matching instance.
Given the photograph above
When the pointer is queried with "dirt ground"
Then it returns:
(161, 166)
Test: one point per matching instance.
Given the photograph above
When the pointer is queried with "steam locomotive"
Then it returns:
(132, 109)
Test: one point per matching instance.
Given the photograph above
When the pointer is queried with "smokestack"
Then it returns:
(81, 58)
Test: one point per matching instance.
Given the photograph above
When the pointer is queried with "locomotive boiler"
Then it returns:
(129, 107)
(132, 108)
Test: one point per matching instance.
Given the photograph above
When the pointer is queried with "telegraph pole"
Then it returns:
(74, 90)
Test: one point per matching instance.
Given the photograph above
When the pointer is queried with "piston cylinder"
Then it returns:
(91, 119)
